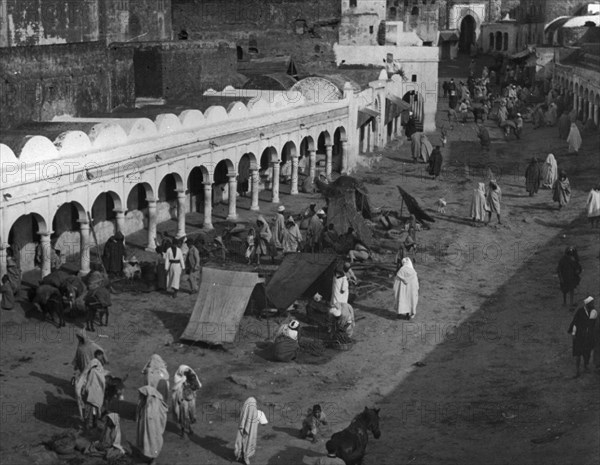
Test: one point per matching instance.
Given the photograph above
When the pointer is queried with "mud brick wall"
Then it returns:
(191, 70)
(305, 29)
(38, 83)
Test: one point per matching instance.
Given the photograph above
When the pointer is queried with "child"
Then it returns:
(332, 458)
(250, 245)
(312, 423)
(8, 296)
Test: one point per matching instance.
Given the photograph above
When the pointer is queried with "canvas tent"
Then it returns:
(220, 306)
(298, 274)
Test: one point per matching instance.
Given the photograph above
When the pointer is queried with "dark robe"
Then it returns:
(114, 253)
(569, 271)
(453, 93)
(564, 126)
(585, 329)
(562, 191)
(411, 127)
(484, 137)
(285, 349)
(533, 178)
(435, 162)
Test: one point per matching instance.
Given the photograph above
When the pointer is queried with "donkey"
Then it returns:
(351, 443)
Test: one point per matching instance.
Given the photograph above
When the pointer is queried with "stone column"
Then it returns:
(120, 220)
(181, 213)
(232, 215)
(254, 180)
(275, 187)
(207, 206)
(596, 122)
(294, 188)
(344, 156)
(328, 160)
(84, 254)
(312, 164)
(590, 110)
(152, 220)
(575, 101)
(45, 243)
(2, 259)
(579, 107)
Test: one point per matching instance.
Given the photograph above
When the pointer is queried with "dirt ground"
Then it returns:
(495, 384)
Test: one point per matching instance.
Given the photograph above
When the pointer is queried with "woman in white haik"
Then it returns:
(406, 290)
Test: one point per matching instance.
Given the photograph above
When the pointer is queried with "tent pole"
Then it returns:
(401, 207)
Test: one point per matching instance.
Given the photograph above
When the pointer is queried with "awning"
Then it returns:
(522, 54)
(404, 106)
(449, 36)
(365, 115)
(220, 305)
(391, 111)
(299, 273)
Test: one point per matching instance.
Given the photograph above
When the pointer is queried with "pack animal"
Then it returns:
(351, 443)
(114, 389)
(441, 205)
(49, 300)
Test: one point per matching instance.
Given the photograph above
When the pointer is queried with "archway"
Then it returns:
(306, 146)
(245, 166)
(467, 34)
(195, 188)
(287, 152)
(23, 238)
(339, 135)
(220, 191)
(66, 236)
(104, 214)
(268, 157)
(166, 207)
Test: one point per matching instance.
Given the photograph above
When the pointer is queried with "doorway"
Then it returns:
(467, 34)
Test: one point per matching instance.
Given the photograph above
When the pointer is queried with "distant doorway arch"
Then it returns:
(467, 34)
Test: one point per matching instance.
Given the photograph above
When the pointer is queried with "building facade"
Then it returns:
(132, 173)
(534, 15)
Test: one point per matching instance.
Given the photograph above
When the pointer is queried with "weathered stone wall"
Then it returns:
(47, 22)
(304, 29)
(200, 15)
(38, 83)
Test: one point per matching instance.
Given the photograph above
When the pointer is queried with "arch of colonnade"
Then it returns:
(585, 96)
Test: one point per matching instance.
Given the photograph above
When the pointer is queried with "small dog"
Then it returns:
(441, 205)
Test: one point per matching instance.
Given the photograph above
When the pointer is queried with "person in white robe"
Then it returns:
(593, 208)
(151, 417)
(247, 432)
(479, 205)
(574, 139)
(426, 148)
(406, 290)
(339, 289)
(549, 172)
(174, 265)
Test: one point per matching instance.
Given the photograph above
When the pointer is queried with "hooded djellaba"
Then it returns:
(479, 205)
(157, 375)
(247, 432)
(549, 172)
(151, 421)
(533, 177)
(114, 253)
(561, 191)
